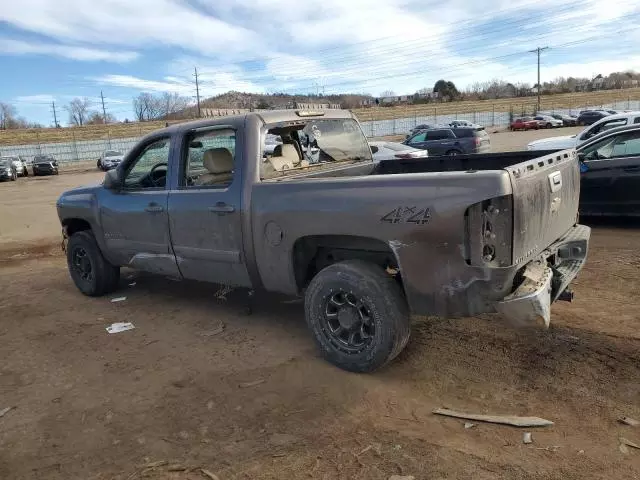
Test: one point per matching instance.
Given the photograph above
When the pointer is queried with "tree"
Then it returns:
(172, 105)
(96, 118)
(145, 107)
(7, 115)
(446, 89)
(78, 110)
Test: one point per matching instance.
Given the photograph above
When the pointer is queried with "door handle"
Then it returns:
(153, 208)
(222, 207)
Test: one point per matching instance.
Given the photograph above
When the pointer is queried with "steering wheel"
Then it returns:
(152, 177)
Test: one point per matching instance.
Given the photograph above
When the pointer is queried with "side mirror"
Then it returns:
(374, 149)
(112, 180)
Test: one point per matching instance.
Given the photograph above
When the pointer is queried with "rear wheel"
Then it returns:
(14, 176)
(90, 271)
(25, 172)
(358, 315)
(453, 153)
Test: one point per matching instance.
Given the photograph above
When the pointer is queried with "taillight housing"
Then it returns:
(489, 232)
(478, 141)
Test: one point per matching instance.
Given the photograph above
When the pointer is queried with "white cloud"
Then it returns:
(18, 47)
(40, 98)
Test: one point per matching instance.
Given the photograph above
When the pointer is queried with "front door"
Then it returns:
(610, 183)
(205, 210)
(134, 218)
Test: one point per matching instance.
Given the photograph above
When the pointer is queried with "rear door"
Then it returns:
(546, 192)
(440, 142)
(205, 209)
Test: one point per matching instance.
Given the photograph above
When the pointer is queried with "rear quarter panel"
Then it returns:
(430, 254)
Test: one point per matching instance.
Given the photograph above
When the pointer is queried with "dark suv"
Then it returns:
(451, 141)
(44, 165)
(589, 117)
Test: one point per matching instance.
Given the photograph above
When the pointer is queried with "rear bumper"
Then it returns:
(546, 277)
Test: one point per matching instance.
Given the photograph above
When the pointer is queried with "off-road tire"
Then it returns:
(105, 277)
(387, 308)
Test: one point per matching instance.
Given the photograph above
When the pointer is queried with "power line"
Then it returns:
(197, 90)
(538, 87)
(104, 112)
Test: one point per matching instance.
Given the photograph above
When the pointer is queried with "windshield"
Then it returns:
(112, 153)
(322, 142)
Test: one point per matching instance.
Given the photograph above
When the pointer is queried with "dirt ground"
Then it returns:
(198, 384)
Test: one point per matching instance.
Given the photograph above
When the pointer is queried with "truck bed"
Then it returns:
(472, 162)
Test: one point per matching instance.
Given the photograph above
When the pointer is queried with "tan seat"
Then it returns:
(285, 157)
(219, 164)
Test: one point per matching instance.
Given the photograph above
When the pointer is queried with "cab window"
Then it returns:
(617, 146)
(149, 169)
(210, 159)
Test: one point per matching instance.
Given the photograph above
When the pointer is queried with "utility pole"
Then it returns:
(104, 112)
(197, 90)
(538, 50)
(55, 117)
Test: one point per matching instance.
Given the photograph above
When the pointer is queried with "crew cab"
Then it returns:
(572, 141)
(366, 244)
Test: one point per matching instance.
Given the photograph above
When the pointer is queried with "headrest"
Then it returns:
(218, 160)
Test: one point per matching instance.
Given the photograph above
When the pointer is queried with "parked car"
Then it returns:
(524, 123)
(110, 159)
(610, 178)
(567, 120)
(571, 141)
(392, 150)
(464, 123)
(451, 141)
(8, 169)
(589, 117)
(44, 165)
(547, 121)
(340, 233)
(270, 143)
(418, 128)
(19, 164)
(27, 161)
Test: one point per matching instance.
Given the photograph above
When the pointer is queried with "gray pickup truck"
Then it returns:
(365, 244)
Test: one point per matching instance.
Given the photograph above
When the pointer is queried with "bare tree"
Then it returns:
(146, 107)
(7, 115)
(96, 118)
(172, 105)
(78, 110)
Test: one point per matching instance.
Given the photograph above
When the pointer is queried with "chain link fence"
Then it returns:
(75, 151)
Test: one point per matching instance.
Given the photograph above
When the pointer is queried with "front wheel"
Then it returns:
(358, 315)
(25, 172)
(14, 176)
(90, 271)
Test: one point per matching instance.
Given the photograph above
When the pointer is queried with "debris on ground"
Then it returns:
(4, 411)
(222, 293)
(208, 474)
(374, 447)
(526, 438)
(468, 425)
(629, 443)
(118, 299)
(216, 331)
(120, 327)
(251, 384)
(132, 284)
(623, 448)
(176, 468)
(629, 421)
(502, 419)
(402, 477)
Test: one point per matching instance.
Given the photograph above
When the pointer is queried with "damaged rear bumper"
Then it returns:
(546, 277)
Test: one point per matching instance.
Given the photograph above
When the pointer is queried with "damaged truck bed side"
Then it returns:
(366, 244)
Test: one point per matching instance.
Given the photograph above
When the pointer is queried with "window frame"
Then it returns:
(607, 140)
(448, 132)
(184, 157)
(131, 163)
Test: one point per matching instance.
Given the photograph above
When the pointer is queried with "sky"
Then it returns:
(55, 50)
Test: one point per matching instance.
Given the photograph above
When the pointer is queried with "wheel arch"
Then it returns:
(312, 253)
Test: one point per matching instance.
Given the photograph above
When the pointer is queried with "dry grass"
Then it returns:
(122, 130)
(521, 104)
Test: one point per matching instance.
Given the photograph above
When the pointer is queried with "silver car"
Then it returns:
(110, 159)
(19, 165)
